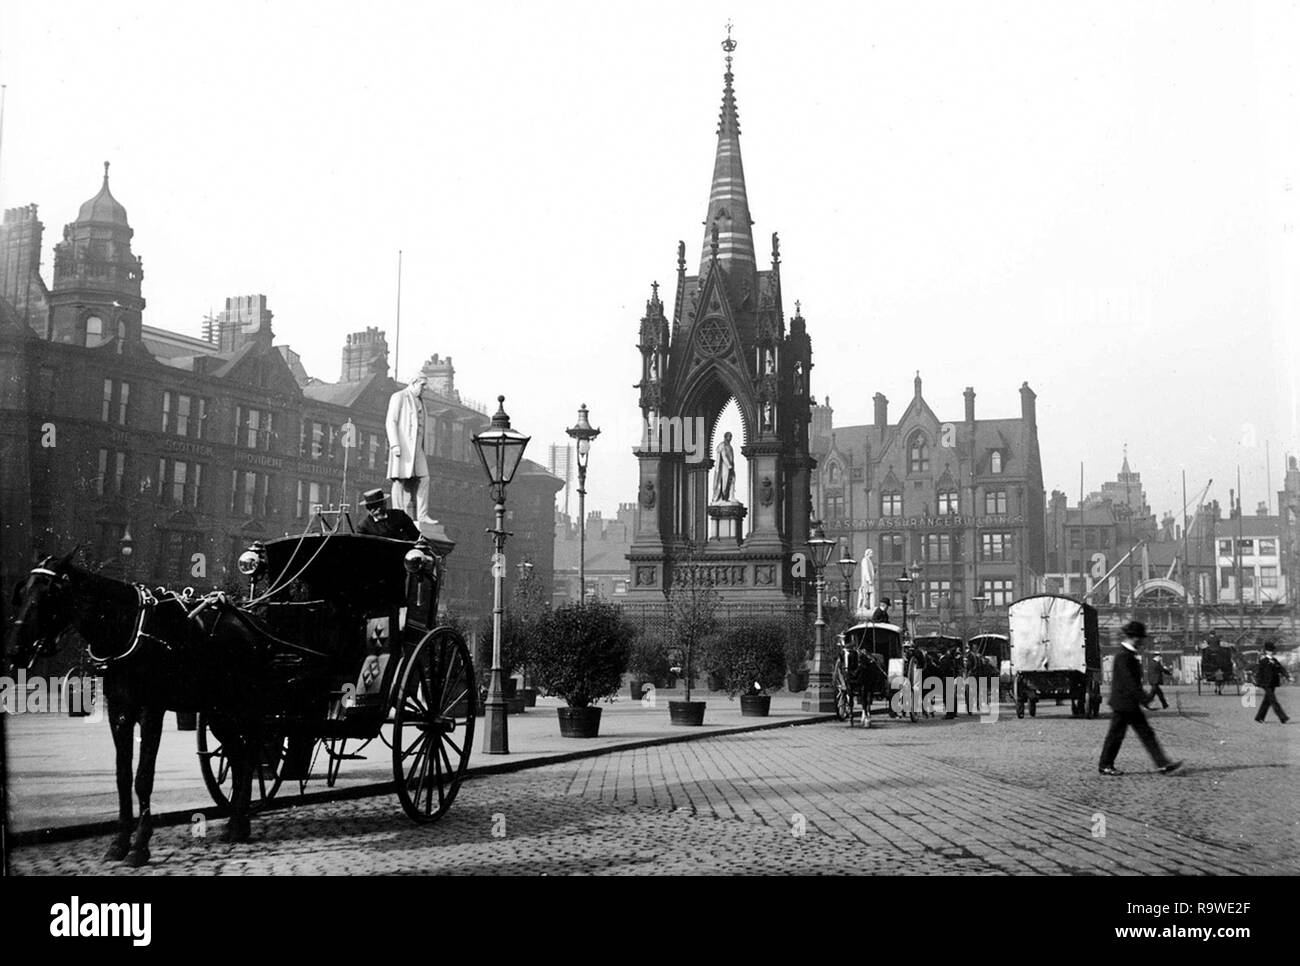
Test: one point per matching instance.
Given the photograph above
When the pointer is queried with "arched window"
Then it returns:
(918, 454)
(995, 462)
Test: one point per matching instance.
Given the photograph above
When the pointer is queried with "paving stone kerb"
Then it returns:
(62, 784)
(937, 797)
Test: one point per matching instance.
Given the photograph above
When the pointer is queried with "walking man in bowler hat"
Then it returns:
(1268, 676)
(1126, 701)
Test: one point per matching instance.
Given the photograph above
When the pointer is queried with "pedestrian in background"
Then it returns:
(1126, 701)
(1268, 676)
(1156, 677)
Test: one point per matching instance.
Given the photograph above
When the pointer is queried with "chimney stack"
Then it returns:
(364, 353)
(970, 404)
(1028, 408)
(442, 377)
(882, 411)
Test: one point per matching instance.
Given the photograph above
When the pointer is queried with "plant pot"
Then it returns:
(187, 721)
(579, 722)
(515, 704)
(755, 705)
(686, 713)
(715, 683)
(635, 687)
(509, 687)
(796, 681)
(530, 697)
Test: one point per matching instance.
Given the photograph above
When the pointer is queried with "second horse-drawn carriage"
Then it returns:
(868, 666)
(995, 651)
(1055, 653)
(1218, 668)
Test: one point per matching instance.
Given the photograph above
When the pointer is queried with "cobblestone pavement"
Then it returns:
(936, 797)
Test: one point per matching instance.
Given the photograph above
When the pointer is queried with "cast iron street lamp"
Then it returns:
(500, 448)
(126, 546)
(980, 603)
(820, 696)
(583, 432)
(847, 563)
(905, 583)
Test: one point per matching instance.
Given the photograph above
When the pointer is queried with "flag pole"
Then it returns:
(397, 338)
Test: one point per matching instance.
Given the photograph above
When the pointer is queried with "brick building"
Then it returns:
(608, 544)
(1229, 573)
(962, 499)
(117, 435)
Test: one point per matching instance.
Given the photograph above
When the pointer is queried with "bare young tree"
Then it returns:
(692, 607)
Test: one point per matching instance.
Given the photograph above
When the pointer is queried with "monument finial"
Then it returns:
(729, 45)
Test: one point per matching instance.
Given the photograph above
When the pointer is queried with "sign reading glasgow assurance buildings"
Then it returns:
(947, 520)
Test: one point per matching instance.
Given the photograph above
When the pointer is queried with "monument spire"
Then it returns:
(728, 209)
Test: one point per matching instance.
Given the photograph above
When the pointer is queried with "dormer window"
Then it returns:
(918, 454)
(995, 462)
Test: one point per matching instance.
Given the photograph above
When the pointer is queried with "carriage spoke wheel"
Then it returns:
(434, 724)
(841, 693)
(214, 764)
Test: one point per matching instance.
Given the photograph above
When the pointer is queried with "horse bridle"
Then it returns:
(55, 579)
(145, 601)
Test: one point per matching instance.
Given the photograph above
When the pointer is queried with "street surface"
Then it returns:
(935, 797)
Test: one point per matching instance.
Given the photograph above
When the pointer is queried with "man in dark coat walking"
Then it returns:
(1126, 700)
(1268, 676)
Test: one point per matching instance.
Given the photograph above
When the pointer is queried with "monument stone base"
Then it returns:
(725, 522)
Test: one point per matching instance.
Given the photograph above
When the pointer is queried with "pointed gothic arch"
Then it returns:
(918, 452)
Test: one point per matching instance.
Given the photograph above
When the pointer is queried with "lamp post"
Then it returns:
(820, 695)
(904, 591)
(126, 547)
(583, 432)
(500, 449)
(847, 563)
(980, 603)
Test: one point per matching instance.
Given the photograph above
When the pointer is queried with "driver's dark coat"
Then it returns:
(397, 524)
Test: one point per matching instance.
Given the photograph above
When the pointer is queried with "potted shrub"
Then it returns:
(749, 659)
(648, 663)
(580, 654)
(692, 614)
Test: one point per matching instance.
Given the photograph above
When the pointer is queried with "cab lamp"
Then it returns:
(251, 563)
(418, 561)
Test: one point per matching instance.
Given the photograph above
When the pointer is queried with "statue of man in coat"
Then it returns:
(408, 467)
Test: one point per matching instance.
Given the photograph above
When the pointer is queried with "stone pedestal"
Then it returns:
(726, 522)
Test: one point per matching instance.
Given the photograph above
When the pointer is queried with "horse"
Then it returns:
(858, 674)
(155, 656)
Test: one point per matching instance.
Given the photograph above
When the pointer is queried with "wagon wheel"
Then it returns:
(434, 724)
(841, 692)
(217, 774)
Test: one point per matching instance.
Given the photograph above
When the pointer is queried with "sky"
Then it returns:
(1102, 200)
